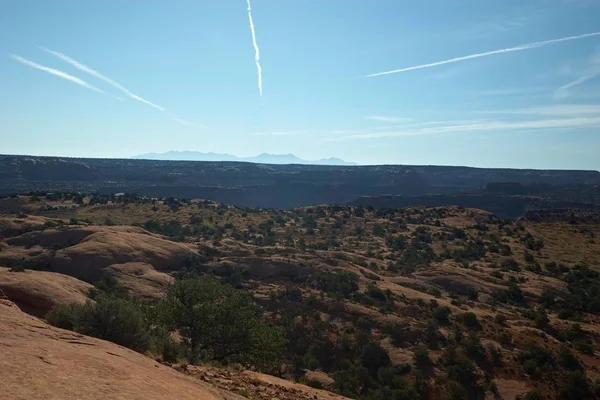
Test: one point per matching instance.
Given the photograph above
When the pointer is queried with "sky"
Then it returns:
(482, 83)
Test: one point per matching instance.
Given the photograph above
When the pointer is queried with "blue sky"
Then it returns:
(117, 78)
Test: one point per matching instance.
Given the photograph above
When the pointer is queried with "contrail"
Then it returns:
(98, 75)
(488, 53)
(256, 50)
(57, 72)
(184, 122)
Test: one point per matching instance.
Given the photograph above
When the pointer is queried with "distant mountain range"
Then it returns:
(264, 158)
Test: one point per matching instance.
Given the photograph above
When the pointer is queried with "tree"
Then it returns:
(567, 359)
(220, 323)
(421, 359)
(575, 385)
(469, 319)
(533, 394)
(373, 357)
(441, 314)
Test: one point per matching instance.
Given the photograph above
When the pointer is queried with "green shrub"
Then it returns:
(373, 357)
(110, 286)
(64, 316)
(170, 350)
(17, 268)
(531, 368)
(456, 391)
(314, 383)
(441, 314)
(495, 355)
(343, 283)
(116, 320)
(459, 368)
(473, 348)
(421, 359)
(535, 359)
(505, 339)
(511, 264)
(575, 385)
(497, 274)
(398, 333)
(469, 319)
(533, 394)
(513, 295)
(528, 257)
(567, 359)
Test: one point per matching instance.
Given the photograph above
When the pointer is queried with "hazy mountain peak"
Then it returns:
(263, 158)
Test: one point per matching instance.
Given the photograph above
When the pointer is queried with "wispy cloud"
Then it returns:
(482, 127)
(508, 20)
(56, 72)
(592, 71)
(184, 122)
(344, 133)
(256, 49)
(278, 133)
(383, 118)
(552, 110)
(522, 47)
(82, 67)
(563, 91)
(523, 91)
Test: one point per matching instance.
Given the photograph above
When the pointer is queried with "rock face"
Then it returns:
(38, 291)
(86, 253)
(38, 361)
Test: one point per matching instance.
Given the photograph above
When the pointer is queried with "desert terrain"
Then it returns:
(374, 303)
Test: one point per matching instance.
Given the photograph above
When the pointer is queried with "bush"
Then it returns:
(513, 295)
(116, 320)
(314, 384)
(421, 359)
(495, 355)
(575, 385)
(17, 268)
(567, 359)
(343, 283)
(536, 358)
(497, 274)
(511, 264)
(373, 357)
(528, 257)
(441, 314)
(469, 319)
(505, 339)
(459, 368)
(170, 351)
(531, 368)
(64, 316)
(108, 285)
(399, 333)
(472, 345)
(533, 394)
(456, 391)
